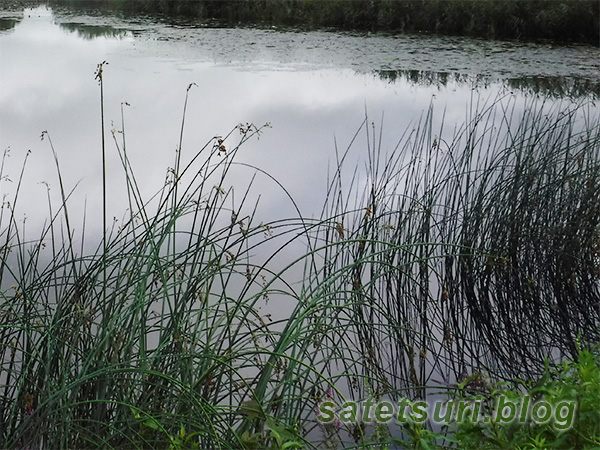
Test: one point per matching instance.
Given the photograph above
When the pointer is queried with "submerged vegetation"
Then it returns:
(474, 254)
(561, 20)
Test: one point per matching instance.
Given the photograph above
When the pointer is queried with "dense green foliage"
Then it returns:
(577, 381)
(573, 380)
(563, 20)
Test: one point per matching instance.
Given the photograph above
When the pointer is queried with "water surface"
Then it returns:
(313, 88)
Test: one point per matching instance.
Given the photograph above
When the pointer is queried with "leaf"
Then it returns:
(135, 412)
(251, 409)
(151, 423)
(250, 440)
(284, 434)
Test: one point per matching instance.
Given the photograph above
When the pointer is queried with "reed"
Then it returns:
(470, 252)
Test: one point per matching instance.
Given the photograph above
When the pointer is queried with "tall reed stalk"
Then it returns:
(474, 252)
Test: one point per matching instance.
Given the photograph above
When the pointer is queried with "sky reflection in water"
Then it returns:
(47, 83)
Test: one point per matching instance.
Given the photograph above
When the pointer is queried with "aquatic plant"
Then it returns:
(194, 324)
(577, 381)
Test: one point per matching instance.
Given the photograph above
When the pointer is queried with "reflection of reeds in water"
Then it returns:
(8, 23)
(90, 32)
(557, 87)
(476, 254)
(548, 87)
(429, 78)
(472, 254)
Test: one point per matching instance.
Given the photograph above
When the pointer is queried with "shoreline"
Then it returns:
(564, 22)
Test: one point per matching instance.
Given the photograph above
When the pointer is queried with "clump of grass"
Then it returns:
(455, 255)
(157, 337)
(577, 381)
(474, 253)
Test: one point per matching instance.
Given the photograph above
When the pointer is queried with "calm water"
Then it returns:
(314, 88)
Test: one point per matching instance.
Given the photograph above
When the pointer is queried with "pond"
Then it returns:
(441, 282)
(313, 88)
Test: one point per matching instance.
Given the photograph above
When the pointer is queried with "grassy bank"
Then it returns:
(462, 256)
(560, 20)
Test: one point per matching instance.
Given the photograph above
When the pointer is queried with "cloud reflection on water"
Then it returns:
(47, 81)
